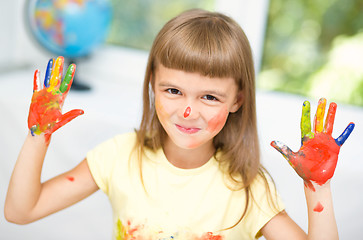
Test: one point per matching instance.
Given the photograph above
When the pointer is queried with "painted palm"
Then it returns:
(45, 114)
(317, 157)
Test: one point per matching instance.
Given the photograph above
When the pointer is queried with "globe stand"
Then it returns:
(76, 85)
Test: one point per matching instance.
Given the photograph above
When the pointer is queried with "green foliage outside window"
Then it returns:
(315, 48)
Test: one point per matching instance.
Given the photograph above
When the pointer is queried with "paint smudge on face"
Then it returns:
(187, 112)
(70, 178)
(161, 112)
(318, 207)
(217, 122)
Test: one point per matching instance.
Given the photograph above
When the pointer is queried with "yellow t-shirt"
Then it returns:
(179, 204)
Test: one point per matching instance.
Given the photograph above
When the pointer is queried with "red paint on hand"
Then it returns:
(317, 158)
(318, 207)
(45, 113)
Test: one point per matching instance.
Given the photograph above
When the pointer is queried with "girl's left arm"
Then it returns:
(322, 224)
(315, 163)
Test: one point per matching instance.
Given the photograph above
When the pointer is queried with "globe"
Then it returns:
(70, 28)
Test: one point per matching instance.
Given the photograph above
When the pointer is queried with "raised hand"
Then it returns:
(318, 155)
(45, 114)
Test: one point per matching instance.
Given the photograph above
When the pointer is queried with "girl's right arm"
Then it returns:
(28, 199)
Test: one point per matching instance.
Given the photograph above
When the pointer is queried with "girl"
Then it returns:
(192, 170)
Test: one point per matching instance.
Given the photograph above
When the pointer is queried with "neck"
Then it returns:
(188, 158)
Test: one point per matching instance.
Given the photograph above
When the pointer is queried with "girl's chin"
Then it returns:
(190, 144)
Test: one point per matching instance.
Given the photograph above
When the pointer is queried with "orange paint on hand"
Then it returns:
(318, 207)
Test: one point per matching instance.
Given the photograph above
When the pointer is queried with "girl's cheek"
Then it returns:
(160, 110)
(216, 123)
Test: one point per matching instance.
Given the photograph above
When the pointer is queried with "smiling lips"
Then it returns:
(187, 130)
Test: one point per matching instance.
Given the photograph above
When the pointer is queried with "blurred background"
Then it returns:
(302, 50)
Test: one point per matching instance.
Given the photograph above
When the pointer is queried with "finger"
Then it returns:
(36, 81)
(67, 117)
(283, 149)
(56, 73)
(305, 124)
(48, 72)
(329, 122)
(344, 136)
(319, 116)
(68, 79)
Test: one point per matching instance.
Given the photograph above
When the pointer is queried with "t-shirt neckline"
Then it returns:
(182, 171)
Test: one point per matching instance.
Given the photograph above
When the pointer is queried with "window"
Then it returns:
(315, 48)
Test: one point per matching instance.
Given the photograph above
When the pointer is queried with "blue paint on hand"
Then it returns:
(344, 136)
(48, 72)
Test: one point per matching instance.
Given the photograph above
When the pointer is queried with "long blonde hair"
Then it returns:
(213, 45)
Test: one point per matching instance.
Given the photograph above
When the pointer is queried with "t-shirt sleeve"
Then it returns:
(100, 161)
(266, 203)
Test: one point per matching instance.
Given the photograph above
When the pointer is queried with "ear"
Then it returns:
(238, 102)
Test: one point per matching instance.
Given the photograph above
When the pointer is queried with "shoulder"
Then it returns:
(266, 203)
(264, 192)
(107, 153)
(110, 156)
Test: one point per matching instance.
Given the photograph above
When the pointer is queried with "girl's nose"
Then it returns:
(187, 112)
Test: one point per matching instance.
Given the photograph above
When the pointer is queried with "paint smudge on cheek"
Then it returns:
(216, 123)
(318, 207)
(160, 111)
(69, 178)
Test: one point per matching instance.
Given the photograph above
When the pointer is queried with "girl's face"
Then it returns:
(193, 108)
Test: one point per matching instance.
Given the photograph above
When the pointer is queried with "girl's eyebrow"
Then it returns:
(213, 92)
(167, 84)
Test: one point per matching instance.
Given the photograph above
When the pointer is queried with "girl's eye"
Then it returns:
(210, 98)
(173, 91)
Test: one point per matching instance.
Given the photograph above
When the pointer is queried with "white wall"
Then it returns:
(16, 47)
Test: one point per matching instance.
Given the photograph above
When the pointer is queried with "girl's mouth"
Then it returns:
(187, 130)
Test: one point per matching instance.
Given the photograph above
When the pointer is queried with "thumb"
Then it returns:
(284, 150)
(66, 118)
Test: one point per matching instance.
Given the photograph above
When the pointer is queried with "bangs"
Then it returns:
(207, 46)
